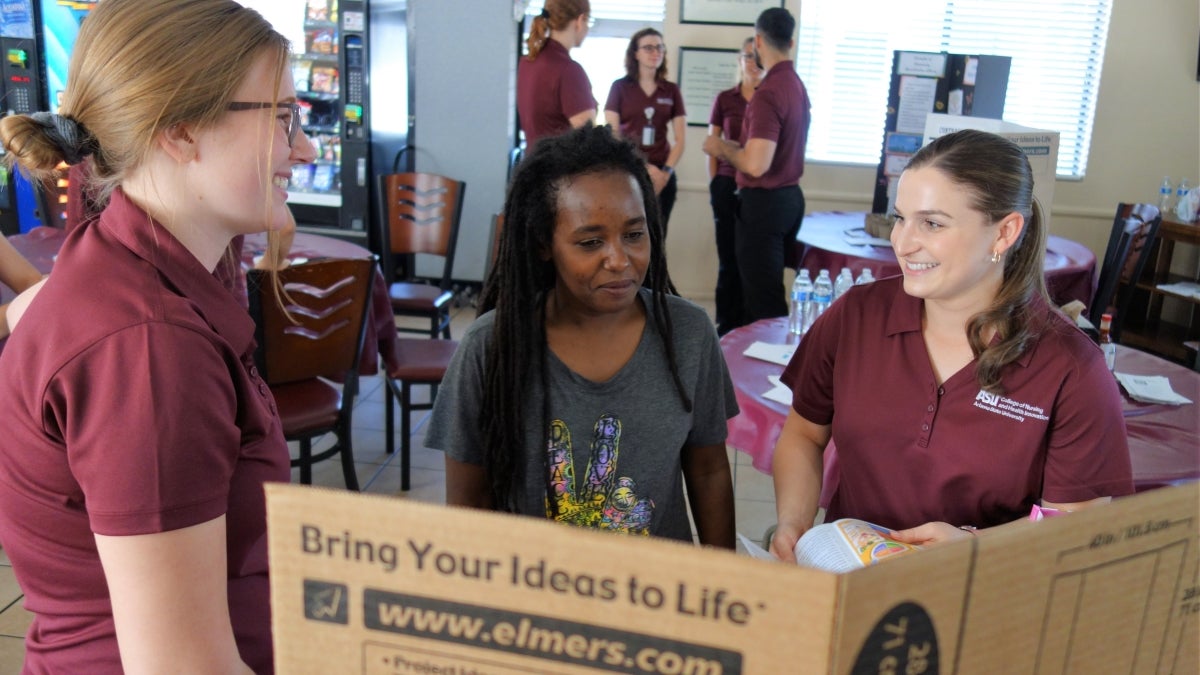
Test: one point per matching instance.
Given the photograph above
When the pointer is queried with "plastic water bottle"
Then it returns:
(1180, 196)
(801, 292)
(843, 283)
(1164, 195)
(822, 294)
(865, 277)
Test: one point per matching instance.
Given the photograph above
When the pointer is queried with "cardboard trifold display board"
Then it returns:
(378, 585)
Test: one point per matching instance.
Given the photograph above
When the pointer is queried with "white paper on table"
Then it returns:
(1150, 389)
(774, 353)
(859, 236)
(779, 392)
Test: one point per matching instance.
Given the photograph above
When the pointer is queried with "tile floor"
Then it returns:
(753, 491)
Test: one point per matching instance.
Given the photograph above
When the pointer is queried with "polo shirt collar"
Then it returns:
(778, 68)
(149, 240)
(556, 47)
(904, 316)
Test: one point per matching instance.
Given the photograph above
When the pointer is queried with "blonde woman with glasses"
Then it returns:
(138, 432)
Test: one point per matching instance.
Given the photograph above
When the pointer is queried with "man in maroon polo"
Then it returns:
(769, 165)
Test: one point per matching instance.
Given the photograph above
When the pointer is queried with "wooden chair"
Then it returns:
(304, 350)
(420, 213)
(1134, 228)
(417, 362)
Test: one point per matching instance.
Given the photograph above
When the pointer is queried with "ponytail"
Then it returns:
(556, 15)
(539, 32)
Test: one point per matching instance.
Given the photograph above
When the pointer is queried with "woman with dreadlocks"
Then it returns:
(587, 391)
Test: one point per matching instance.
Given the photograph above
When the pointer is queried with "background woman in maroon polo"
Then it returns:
(553, 93)
(725, 121)
(641, 105)
(956, 394)
(138, 433)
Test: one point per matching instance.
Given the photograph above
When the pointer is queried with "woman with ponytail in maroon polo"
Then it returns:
(553, 93)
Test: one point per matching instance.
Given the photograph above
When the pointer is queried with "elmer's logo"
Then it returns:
(987, 399)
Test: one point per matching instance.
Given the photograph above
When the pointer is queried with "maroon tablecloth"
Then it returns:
(40, 246)
(1164, 441)
(823, 244)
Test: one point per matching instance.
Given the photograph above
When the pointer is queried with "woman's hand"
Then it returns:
(658, 178)
(783, 542)
(931, 533)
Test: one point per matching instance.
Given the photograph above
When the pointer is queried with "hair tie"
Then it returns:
(69, 136)
(545, 14)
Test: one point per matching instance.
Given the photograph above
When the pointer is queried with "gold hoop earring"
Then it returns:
(995, 256)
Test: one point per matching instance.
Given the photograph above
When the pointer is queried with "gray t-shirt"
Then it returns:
(615, 446)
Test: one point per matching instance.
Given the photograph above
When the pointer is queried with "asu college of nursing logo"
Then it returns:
(1007, 407)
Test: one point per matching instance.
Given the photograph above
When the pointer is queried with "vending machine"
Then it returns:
(330, 65)
(333, 46)
(21, 206)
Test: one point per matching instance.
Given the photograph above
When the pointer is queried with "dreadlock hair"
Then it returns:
(996, 173)
(517, 289)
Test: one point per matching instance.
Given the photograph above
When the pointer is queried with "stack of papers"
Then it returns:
(1150, 389)
(859, 237)
(779, 392)
(1190, 289)
(778, 354)
(774, 353)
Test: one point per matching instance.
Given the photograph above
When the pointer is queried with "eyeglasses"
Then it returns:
(293, 125)
(653, 48)
(747, 57)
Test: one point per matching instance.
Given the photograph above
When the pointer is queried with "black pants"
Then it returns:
(768, 221)
(666, 202)
(722, 195)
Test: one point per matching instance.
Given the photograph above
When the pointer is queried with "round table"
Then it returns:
(1164, 440)
(824, 244)
(40, 247)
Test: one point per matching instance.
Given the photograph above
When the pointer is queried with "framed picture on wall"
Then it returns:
(724, 12)
(703, 73)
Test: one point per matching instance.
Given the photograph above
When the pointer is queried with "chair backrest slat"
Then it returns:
(420, 213)
(319, 330)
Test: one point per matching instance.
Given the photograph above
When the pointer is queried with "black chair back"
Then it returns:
(1129, 245)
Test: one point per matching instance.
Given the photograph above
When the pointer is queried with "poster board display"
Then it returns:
(724, 12)
(1040, 147)
(925, 83)
(704, 73)
(379, 585)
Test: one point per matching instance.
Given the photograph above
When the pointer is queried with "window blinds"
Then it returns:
(845, 50)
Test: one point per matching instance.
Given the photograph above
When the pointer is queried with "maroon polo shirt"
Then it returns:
(132, 407)
(910, 451)
(551, 89)
(627, 99)
(778, 112)
(729, 107)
